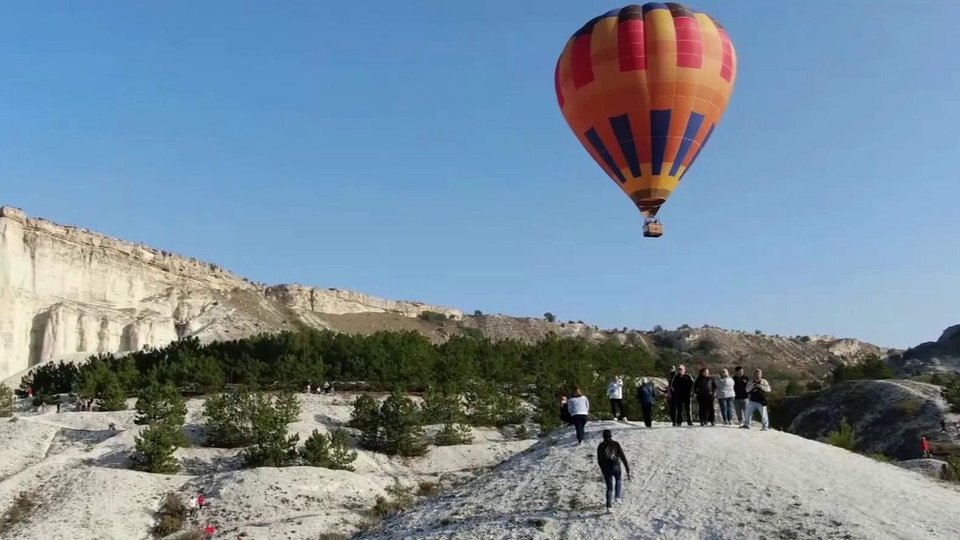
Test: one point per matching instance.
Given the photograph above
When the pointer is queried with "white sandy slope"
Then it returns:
(716, 483)
(79, 472)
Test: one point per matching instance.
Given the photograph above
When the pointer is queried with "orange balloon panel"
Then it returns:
(643, 88)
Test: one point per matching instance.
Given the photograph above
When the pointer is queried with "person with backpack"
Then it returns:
(740, 381)
(609, 456)
(705, 388)
(579, 407)
(647, 395)
(680, 388)
(757, 390)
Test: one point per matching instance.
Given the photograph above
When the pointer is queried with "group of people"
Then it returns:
(737, 394)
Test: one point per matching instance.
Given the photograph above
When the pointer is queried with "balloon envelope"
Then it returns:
(643, 88)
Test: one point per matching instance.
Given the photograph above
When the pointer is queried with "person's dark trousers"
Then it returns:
(616, 408)
(671, 411)
(647, 414)
(705, 411)
(579, 421)
(681, 409)
(611, 477)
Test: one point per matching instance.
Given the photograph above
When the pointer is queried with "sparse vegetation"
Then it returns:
(171, 516)
(329, 451)
(873, 367)
(452, 435)
(843, 437)
(6, 400)
(951, 393)
(400, 498)
(19, 511)
(254, 420)
(434, 317)
(550, 317)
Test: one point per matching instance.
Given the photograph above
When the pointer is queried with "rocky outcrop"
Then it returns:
(887, 417)
(67, 293)
(942, 355)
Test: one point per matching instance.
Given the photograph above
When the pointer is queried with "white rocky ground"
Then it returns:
(78, 471)
(714, 483)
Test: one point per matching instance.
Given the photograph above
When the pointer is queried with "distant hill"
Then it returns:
(68, 293)
(942, 355)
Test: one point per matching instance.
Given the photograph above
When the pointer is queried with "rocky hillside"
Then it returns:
(719, 483)
(67, 293)
(942, 355)
(887, 417)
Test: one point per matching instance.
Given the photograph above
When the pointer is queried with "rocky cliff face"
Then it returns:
(68, 293)
(942, 355)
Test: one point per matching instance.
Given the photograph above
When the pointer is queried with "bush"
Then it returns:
(550, 317)
(270, 446)
(6, 400)
(19, 511)
(433, 316)
(160, 403)
(328, 451)
(400, 429)
(951, 393)
(103, 384)
(793, 388)
(155, 447)
(452, 435)
(440, 407)
(937, 379)
(843, 437)
(171, 516)
(494, 407)
(400, 499)
(366, 418)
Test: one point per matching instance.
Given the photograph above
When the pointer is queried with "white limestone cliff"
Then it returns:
(67, 292)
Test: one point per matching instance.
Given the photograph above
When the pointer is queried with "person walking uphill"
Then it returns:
(647, 395)
(725, 395)
(680, 387)
(615, 393)
(705, 388)
(579, 407)
(757, 389)
(740, 382)
(609, 456)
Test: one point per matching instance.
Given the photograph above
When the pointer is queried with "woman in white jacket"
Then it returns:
(579, 407)
(725, 395)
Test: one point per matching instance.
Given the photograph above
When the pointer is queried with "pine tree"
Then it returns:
(6, 400)
(341, 456)
(453, 434)
(400, 426)
(366, 418)
(155, 448)
(316, 450)
(160, 403)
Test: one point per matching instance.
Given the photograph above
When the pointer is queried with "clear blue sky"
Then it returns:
(415, 150)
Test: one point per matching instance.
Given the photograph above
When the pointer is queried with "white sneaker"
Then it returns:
(617, 501)
(765, 429)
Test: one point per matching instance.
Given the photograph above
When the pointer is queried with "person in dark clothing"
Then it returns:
(669, 395)
(943, 425)
(705, 388)
(565, 411)
(609, 456)
(647, 395)
(740, 396)
(680, 388)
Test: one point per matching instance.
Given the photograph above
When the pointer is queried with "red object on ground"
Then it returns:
(201, 500)
(209, 531)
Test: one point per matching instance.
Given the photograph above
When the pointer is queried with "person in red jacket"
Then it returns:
(925, 447)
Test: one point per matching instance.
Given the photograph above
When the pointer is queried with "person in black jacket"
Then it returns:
(740, 381)
(705, 388)
(680, 387)
(609, 456)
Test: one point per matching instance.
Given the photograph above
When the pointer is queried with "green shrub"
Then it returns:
(440, 407)
(793, 388)
(843, 437)
(400, 430)
(491, 406)
(951, 393)
(155, 446)
(6, 400)
(452, 435)
(160, 403)
(366, 418)
(328, 451)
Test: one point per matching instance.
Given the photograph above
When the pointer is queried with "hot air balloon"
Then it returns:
(643, 88)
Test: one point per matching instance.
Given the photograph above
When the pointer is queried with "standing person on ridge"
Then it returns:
(579, 407)
(680, 387)
(757, 389)
(615, 393)
(740, 396)
(669, 394)
(609, 456)
(705, 388)
(725, 395)
(647, 395)
(925, 447)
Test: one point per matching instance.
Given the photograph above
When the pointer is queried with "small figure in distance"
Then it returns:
(609, 456)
